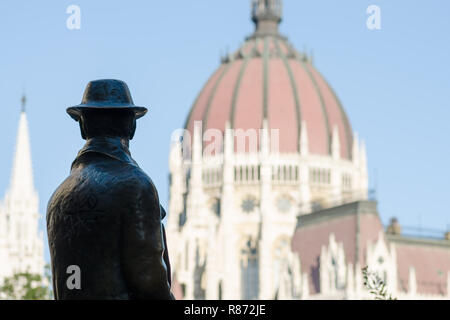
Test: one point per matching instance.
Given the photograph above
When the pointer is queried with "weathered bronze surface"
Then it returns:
(105, 218)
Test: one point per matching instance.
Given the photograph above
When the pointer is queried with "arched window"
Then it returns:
(249, 272)
(215, 206)
(220, 294)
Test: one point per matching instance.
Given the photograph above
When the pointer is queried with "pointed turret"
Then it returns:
(364, 179)
(175, 156)
(363, 156)
(176, 186)
(228, 147)
(228, 153)
(304, 145)
(195, 202)
(197, 148)
(335, 144)
(412, 281)
(264, 138)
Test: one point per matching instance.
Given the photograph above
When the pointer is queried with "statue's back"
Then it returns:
(85, 218)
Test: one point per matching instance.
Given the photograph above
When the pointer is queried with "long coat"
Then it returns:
(105, 219)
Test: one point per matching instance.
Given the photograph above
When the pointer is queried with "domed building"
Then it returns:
(268, 150)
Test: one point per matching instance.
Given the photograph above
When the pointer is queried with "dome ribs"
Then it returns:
(334, 112)
(348, 127)
(248, 109)
(213, 93)
(237, 87)
(198, 108)
(294, 91)
(322, 104)
(268, 79)
(311, 111)
(220, 107)
(265, 79)
(281, 106)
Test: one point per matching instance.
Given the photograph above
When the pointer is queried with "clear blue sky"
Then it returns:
(394, 83)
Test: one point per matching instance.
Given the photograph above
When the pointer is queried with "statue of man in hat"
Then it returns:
(104, 225)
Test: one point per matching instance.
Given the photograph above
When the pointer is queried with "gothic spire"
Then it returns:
(267, 15)
(22, 172)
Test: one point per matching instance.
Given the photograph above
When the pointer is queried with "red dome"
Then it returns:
(268, 78)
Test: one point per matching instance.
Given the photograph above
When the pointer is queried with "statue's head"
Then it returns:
(107, 110)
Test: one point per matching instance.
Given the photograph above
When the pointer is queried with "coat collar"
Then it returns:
(110, 147)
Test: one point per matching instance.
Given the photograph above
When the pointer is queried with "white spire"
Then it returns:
(24, 242)
(22, 174)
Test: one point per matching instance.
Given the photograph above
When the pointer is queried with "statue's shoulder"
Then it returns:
(108, 169)
(144, 181)
(131, 177)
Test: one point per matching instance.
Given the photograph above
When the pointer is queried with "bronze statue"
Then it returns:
(104, 226)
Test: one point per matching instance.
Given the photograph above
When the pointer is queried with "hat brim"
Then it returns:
(75, 111)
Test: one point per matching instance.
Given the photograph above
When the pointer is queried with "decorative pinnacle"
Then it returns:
(24, 102)
(267, 14)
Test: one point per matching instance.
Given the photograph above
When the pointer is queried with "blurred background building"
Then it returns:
(290, 222)
(21, 243)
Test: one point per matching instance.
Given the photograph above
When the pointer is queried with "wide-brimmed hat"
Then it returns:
(106, 94)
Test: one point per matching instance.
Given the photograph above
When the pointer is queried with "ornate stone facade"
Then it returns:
(334, 245)
(230, 209)
(281, 214)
